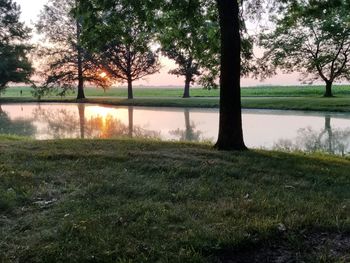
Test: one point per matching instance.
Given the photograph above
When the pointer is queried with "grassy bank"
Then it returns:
(136, 201)
(270, 91)
(278, 103)
(284, 98)
(338, 104)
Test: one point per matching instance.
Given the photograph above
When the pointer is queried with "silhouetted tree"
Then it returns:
(230, 127)
(120, 32)
(311, 37)
(14, 63)
(188, 35)
(68, 63)
(112, 18)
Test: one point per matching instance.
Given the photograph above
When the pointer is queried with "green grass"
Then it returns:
(336, 104)
(122, 92)
(291, 103)
(270, 91)
(295, 91)
(138, 201)
(284, 98)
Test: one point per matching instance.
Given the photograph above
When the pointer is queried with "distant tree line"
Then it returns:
(102, 42)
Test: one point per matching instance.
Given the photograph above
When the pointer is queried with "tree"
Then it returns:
(122, 37)
(187, 66)
(101, 27)
(14, 63)
(69, 64)
(230, 127)
(311, 37)
(188, 35)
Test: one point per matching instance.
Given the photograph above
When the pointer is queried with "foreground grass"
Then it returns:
(270, 91)
(135, 201)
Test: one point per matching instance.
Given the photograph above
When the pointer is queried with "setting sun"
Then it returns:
(103, 74)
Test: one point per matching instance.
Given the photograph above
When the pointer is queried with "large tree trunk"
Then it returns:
(230, 128)
(187, 86)
(81, 94)
(130, 92)
(328, 92)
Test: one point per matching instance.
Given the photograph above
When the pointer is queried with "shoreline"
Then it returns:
(308, 104)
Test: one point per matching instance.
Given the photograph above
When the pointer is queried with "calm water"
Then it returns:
(262, 128)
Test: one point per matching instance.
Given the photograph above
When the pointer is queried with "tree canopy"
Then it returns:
(66, 64)
(311, 37)
(188, 34)
(121, 32)
(14, 63)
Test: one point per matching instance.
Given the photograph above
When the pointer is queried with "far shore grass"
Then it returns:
(144, 201)
(177, 92)
(336, 104)
(308, 98)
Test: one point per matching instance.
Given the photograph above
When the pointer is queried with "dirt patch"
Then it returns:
(315, 247)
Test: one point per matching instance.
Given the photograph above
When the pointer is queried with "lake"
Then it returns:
(267, 129)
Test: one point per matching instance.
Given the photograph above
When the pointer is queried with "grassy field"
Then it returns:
(136, 201)
(284, 98)
(275, 91)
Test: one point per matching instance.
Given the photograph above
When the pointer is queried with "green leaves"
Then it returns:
(122, 33)
(312, 37)
(188, 34)
(14, 63)
(64, 61)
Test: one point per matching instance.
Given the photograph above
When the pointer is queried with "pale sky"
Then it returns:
(31, 9)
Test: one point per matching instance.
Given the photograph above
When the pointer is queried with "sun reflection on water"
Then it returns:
(104, 113)
(108, 121)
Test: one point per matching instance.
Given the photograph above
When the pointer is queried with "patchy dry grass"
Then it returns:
(136, 201)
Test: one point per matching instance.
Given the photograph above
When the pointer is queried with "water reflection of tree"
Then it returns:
(327, 140)
(189, 134)
(67, 124)
(20, 127)
(61, 123)
(81, 109)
